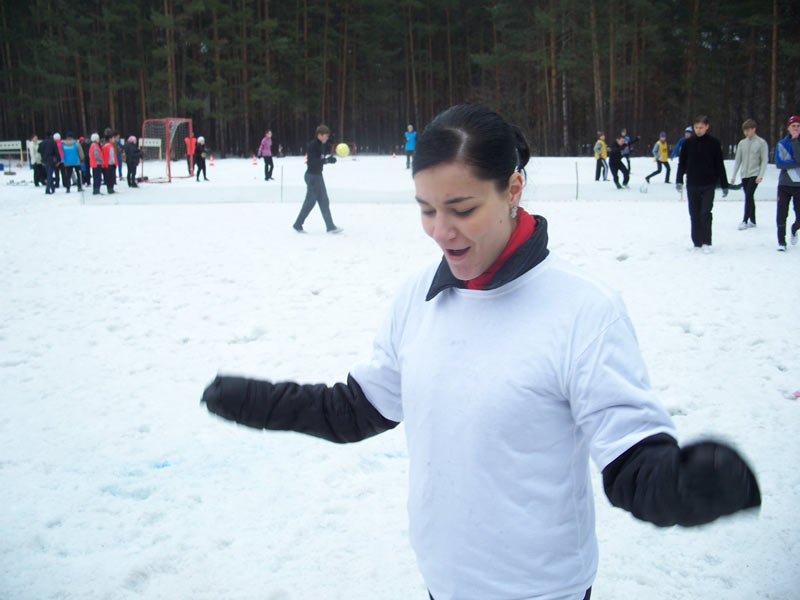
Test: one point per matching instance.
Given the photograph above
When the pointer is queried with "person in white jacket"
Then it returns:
(752, 157)
(510, 369)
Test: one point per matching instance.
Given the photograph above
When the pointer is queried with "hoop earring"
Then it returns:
(514, 211)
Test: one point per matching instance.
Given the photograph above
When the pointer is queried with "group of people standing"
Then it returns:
(700, 160)
(57, 161)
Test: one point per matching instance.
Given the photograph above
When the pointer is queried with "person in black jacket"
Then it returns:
(701, 161)
(132, 156)
(315, 184)
(500, 503)
(50, 159)
(615, 162)
(200, 154)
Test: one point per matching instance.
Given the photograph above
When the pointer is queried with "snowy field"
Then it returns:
(115, 483)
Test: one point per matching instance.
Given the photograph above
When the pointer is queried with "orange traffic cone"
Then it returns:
(211, 163)
(255, 162)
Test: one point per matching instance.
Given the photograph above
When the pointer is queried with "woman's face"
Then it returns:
(466, 216)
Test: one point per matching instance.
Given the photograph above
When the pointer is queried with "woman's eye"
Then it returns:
(464, 213)
(428, 212)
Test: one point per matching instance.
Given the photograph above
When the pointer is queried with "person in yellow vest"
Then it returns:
(601, 154)
(661, 156)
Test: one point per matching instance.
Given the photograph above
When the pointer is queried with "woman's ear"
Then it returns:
(515, 185)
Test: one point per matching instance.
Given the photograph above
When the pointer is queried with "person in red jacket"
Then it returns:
(190, 142)
(109, 163)
(95, 163)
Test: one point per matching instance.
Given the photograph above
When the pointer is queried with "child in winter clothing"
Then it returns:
(601, 154)
(676, 151)
(660, 151)
(787, 159)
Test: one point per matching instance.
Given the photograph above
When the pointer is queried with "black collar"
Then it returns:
(531, 253)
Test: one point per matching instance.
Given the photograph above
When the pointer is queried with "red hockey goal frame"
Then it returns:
(162, 143)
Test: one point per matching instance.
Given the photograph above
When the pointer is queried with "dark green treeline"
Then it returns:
(561, 69)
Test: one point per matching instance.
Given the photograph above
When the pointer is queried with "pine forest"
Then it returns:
(560, 69)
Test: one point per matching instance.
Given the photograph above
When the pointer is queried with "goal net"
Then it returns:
(167, 147)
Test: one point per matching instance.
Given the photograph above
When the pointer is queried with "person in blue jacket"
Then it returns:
(411, 142)
(676, 151)
(787, 159)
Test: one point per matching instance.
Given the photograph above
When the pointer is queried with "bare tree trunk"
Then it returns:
(343, 72)
(110, 96)
(324, 99)
(449, 60)
(169, 35)
(245, 80)
(142, 88)
(414, 92)
(611, 62)
(773, 86)
(692, 56)
(598, 87)
(220, 129)
(553, 74)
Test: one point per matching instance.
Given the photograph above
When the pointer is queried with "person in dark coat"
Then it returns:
(701, 162)
(51, 158)
(200, 154)
(615, 154)
(132, 156)
(316, 193)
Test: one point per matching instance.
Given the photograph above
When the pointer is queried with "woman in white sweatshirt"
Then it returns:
(510, 369)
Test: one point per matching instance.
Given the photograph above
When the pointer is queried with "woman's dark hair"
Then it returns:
(476, 136)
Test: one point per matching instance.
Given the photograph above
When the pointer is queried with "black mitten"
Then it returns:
(713, 480)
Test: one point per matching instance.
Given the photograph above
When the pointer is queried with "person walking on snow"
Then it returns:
(752, 156)
(601, 154)
(701, 162)
(787, 159)
(316, 193)
(200, 158)
(660, 155)
(411, 142)
(265, 152)
(510, 369)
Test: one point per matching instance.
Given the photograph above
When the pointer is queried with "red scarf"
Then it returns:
(524, 230)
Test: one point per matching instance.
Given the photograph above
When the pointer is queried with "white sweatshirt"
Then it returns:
(505, 394)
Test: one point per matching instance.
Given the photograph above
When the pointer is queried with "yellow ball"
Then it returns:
(342, 149)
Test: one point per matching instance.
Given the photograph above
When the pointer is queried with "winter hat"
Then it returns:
(80, 139)
(70, 134)
(95, 137)
(793, 119)
(56, 136)
(201, 140)
(688, 130)
(662, 134)
(132, 139)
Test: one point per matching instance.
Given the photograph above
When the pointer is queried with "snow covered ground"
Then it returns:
(118, 310)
